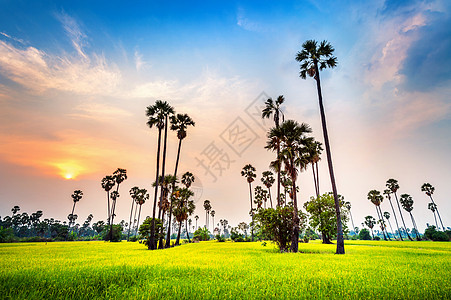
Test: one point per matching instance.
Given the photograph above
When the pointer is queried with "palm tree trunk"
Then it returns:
(187, 232)
(151, 245)
(436, 208)
(72, 213)
(372, 234)
(389, 223)
(340, 241)
(317, 178)
(314, 180)
(134, 219)
(384, 231)
(436, 224)
(278, 173)
(295, 237)
(381, 222)
(396, 220)
(160, 242)
(109, 213)
(139, 215)
(130, 223)
(168, 234)
(177, 242)
(415, 226)
(163, 165)
(270, 198)
(113, 208)
(352, 221)
(405, 228)
(252, 211)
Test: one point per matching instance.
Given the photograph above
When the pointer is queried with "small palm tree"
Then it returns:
(248, 172)
(108, 183)
(347, 205)
(212, 214)
(376, 198)
(387, 217)
(407, 203)
(273, 108)
(207, 207)
(387, 193)
(196, 217)
(183, 209)
(120, 175)
(370, 222)
(393, 186)
(429, 190)
(313, 58)
(76, 196)
(433, 208)
(268, 181)
(134, 194)
(142, 197)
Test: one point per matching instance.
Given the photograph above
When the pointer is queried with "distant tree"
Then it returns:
(133, 194)
(387, 217)
(183, 208)
(376, 198)
(141, 198)
(387, 193)
(407, 203)
(248, 172)
(202, 234)
(364, 234)
(196, 217)
(108, 183)
(370, 222)
(76, 196)
(433, 208)
(207, 207)
(268, 180)
(393, 185)
(120, 175)
(429, 190)
(347, 206)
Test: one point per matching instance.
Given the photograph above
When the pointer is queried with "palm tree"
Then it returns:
(157, 114)
(197, 218)
(433, 208)
(258, 197)
(15, 209)
(387, 216)
(314, 58)
(407, 203)
(119, 175)
(134, 194)
(183, 209)
(248, 172)
(76, 196)
(376, 198)
(107, 184)
(114, 195)
(387, 193)
(347, 205)
(429, 190)
(207, 207)
(212, 214)
(180, 123)
(142, 197)
(268, 181)
(273, 107)
(393, 186)
(314, 149)
(293, 140)
(370, 222)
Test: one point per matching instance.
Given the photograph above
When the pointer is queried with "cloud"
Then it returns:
(245, 23)
(139, 62)
(74, 32)
(99, 112)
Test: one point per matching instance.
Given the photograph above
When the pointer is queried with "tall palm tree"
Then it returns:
(314, 149)
(347, 205)
(293, 140)
(407, 203)
(387, 193)
(258, 197)
(114, 195)
(393, 186)
(164, 203)
(273, 108)
(108, 183)
(76, 196)
(212, 214)
(433, 208)
(376, 198)
(268, 181)
(179, 123)
(207, 207)
(370, 222)
(313, 58)
(429, 190)
(157, 116)
(134, 194)
(183, 209)
(387, 216)
(248, 172)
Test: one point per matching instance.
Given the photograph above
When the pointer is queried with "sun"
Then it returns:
(68, 176)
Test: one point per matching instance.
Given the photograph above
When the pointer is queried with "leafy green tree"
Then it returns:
(145, 229)
(387, 193)
(313, 58)
(432, 234)
(268, 180)
(273, 108)
(322, 215)
(393, 186)
(364, 234)
(202, 234)
(370, 222)
(407, 203)
(429, 190)
(157, 116)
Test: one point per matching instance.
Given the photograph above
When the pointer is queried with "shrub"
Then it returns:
(202, 234)
(432, 234)
(7, 235)
(146, 228)
(364, 234)
(220, 238)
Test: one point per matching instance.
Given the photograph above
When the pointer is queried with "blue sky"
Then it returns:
(76, 76)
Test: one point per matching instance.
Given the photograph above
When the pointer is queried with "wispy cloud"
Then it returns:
(13, 38)
(73, 31)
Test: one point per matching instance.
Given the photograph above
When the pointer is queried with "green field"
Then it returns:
(87, 270)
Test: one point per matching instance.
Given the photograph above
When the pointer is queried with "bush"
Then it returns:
(7, 235)
(364, 234)
(432, 234)
(146, 228)
(117, 233)
(202, 234)
(220, 238)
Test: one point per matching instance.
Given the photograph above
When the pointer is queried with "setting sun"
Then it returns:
(68, 176)
(69, 170)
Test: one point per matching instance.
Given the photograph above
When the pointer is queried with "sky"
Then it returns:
(76, 78)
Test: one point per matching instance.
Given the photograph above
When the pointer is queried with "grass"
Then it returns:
(88, 270)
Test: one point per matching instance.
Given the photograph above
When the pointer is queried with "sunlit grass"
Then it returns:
(87, 270)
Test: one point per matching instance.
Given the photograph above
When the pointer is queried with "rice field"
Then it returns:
(213, 270)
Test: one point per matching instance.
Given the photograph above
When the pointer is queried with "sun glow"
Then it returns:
(68, 176)
(69, 170)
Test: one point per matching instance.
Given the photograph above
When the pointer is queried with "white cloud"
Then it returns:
(74, 32)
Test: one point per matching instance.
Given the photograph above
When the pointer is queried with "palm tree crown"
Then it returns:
(312, 54)
(179, 123)
(273, 107)
(157, 113)
(249, 172)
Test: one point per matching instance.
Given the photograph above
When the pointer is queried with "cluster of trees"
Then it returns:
(295, 151)
(406, 202)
